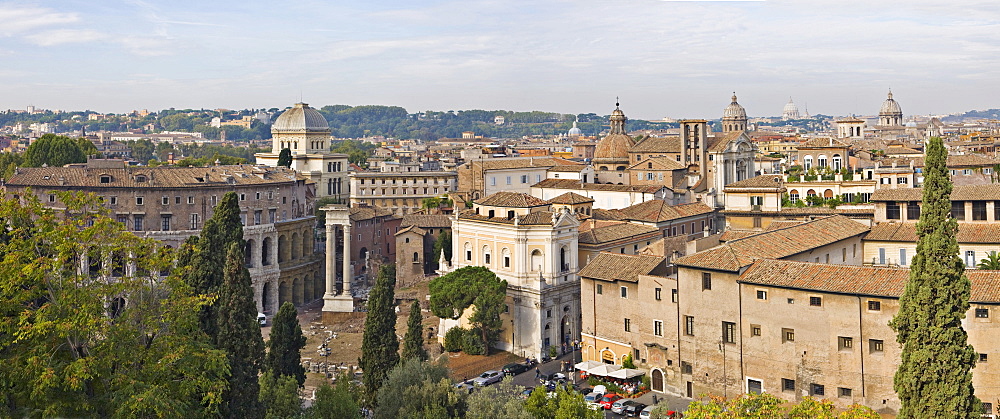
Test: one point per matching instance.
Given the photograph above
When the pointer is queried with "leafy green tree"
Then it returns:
(239, 335)
(286, 341)
(334, 402)
(750, 405)
(142, 150)
(502, 400)
(415, 389)
(573, 406)
(83, 343)
(379, 346)
(443, 244)
(991, 262)
(285, 157)
(413, 343)
(810, 408)
(471, 285)
(934, 378)
(280, 396)
(856, 411)
(627, 361)
(9, 162)
(540, 405)
(54, 151)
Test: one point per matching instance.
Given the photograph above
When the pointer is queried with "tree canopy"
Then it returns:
(56, 151)
(451, 294)
(285, 345)
(379, 346)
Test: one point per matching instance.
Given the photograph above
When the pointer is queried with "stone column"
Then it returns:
(331, 260)
(348, 272)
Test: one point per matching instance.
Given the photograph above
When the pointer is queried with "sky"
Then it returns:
(676, 59)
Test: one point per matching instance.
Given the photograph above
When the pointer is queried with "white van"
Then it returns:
(262, 319)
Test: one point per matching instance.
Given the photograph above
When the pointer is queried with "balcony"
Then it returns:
(755, 208)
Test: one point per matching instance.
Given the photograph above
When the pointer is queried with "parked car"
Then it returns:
(557, 377)
(619, 406)
(646, 412)
(465, 386)
(526, 393)
(600, 389)
(487, 378)
(514, 369)
(608, 400)
(633, 409)
(592, 400)
(262, 319)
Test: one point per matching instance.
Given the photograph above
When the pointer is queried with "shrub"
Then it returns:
(472, 343)
(454, 339)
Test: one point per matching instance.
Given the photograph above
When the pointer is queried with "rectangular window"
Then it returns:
(844, 392)
(902, 257)
(686, 368)
(177, 200)
(195, 221)
(493, 181)
(881, 256)
(508, 180)
(190, 200)
(875, 345)
(958, 210)
(166, 200)
(165, 222)
(137, 221)
(983, 357)
(816, 301)
(845, 343)
(728, 332)
(996, 210)
(657, 293)
(138, 200)
(524, 178)
(624, 292)
(271, 215)
(689, 325)
(673, 295)
(657, 328)
(982, 313)
(761, 294)
(600, 289)
(874, 305)
(901, 180)
(818, 390)
(892, 211)
(755, 330)
(706, 281)
(987, 408)
(970, 258)
(979, 210)
(257, 216)
(628, 325)
(787, 335)
(912, 211)
(114, 200)
(787, 384)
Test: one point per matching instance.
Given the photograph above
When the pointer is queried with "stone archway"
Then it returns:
(297, 291)
(656, 380)
(265, 298)
(307, 289)
(284, 293)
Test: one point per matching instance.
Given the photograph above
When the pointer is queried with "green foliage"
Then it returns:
(68, 349)
(991, 262)
(142, 150)
(565, 404)
(443, 244)
(856, 411)
(56, 151)
(934, 378)
(472, 285)
(209, 161)
(627, 362)
(454, 338)
(379, 346)
(540, 405)
(413, 343)
(415, 389)
(810, 408)
(285, 157)
(553, 352)
(239, 335)
(472, 343)
(284, 348)
(764, 406)
(357, 151)
(502, 400)
(206, 259)
(334, 402)
(9, 162)
(280, 395)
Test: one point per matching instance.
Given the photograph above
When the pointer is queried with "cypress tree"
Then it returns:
(379, 346)
(285, 157)
(283, 356)
(239, 335)
(205, 276)
(413, 343)
(934, 378)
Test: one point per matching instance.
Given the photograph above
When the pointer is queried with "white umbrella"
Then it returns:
(626, 373)
(585, 366)
(603, 369)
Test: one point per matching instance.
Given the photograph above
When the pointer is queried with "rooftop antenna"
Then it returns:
(616, 102)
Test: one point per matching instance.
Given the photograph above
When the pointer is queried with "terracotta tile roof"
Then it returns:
(658, 211)
(806, 211)
(603, 214)
(535, 218)
(414, 229)
(771, 182)
(576, 184)
(721, 143)
(670, 144)
(158, 177)
(659, 163)
(776, 244)
(512, 200)
(599, 232)
(907, 232)
(989, 192)
(520, 163)
(823, 143)
(856, 280)
(730, 235)
(570, 198)
(368, 213)
(427, 220)
(954, 161)
(568, 168)
(617, 267)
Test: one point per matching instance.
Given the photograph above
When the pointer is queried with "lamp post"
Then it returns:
(725, 378)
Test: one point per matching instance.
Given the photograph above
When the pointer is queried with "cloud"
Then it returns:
(19, 19)
(63, 36)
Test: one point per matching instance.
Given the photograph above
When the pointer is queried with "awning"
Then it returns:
(585, 366)
(603, 369)
(626, 373)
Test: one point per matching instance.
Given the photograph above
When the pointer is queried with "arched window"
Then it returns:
(416, 257)
(486, 255)
(506, 257)
(536, 260)
(807, 162)
(468, 252)
(265, 252)
(828, 193)
(821, 162)
(837, 164)
(563, 262)
(793, 195)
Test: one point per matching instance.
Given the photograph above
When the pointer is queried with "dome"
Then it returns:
(890, 106)
(734, 110)
(574, 132)
(790, 111)
(300, 118)
(616, 144)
